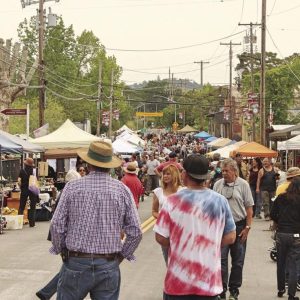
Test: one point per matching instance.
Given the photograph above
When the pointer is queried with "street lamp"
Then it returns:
(137, 118)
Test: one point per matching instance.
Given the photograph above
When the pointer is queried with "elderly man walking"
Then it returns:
(194, 223)
(86, 229)
(238, 194)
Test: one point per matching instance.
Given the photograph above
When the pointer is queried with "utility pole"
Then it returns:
(172, 95)
(251, 69)
(262, 74)
(41, 65)
(230, 44)
(201, 62)
(111, 102)
(41, 68)
(99, 99)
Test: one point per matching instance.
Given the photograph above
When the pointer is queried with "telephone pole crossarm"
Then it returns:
(201, 62)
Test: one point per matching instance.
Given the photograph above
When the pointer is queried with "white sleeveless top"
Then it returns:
(159, 193)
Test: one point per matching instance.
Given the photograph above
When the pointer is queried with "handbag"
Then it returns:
(33, 185)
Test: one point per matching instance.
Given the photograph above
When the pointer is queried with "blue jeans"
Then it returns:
(50, 289)
(257, 201)
(237, 252)
(98, 276)
(288, 250)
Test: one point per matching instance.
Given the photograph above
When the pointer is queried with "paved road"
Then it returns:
(25, 264)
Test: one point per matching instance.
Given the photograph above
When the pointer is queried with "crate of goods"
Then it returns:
(15, 195)
(14, 222)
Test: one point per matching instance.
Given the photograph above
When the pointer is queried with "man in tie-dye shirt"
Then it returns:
(194, 223)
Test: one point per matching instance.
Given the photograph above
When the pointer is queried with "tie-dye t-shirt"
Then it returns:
(195, 222)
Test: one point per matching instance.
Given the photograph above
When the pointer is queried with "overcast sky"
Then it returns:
(191, 29)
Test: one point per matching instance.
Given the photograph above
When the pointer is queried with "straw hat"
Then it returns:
(131, 168)
(292, 172)
(100, 154)
(29, 162)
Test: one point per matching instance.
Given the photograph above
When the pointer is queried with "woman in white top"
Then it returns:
(171, 184)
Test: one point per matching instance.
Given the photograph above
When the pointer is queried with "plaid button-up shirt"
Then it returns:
(91, 214)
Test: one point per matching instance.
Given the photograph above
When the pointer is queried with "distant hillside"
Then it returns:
(186, 84)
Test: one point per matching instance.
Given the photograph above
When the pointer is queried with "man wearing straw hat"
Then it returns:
(86, 228)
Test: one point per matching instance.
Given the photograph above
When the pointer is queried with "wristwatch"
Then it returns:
(248, 227)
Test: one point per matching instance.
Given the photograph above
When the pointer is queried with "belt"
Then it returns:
(241, 222)
(108, 256)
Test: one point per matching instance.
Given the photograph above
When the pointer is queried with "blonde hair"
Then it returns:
(175, 175)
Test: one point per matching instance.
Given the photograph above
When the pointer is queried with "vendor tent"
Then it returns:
(125, 128)
(27, 146)
(8, 146)
(121, 146)
(68, 135)
(254, 149)
(187, 128)
(202, 135)
(225, 151)
(131, 138)
(292, 144)
(210, 139)
(219, 143)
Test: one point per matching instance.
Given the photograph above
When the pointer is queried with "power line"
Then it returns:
(158, 50)
(285, 61)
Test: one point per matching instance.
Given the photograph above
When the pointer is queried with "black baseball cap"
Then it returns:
(172, 154)
(197, 166)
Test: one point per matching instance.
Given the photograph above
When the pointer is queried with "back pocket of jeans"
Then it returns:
(112, 279)
(69, 281)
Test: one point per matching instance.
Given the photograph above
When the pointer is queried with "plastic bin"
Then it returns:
(14, 222)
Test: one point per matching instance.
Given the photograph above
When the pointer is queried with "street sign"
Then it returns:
(14, 111)
(149, 114)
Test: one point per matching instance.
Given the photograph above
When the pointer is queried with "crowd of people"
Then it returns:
(204, 209)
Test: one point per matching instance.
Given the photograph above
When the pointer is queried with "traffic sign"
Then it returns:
(14, 111)
(149, 114)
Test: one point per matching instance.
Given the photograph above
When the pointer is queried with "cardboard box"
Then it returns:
(15, 195)
(14, 222)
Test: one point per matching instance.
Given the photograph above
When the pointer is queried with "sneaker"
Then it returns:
(222, 296)
(233, 295)
(258, 217)
(293, 298)
(298, 286)
(280, 293)
(41, 296)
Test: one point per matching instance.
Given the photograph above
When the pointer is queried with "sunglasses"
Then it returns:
(227, 191)
(81, 170)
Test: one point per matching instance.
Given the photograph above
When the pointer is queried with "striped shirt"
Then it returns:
(92, 213)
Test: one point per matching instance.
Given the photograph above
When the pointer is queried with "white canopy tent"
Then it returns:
(131, 138)
(225, 151)
(122, 146)
(125, 128)
(68, 135)
(291, 144)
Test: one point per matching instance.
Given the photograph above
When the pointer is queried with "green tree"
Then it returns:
(54, 115)
(72, 69)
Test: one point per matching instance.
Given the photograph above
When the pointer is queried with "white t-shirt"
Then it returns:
(151, 166)
(159, 193)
